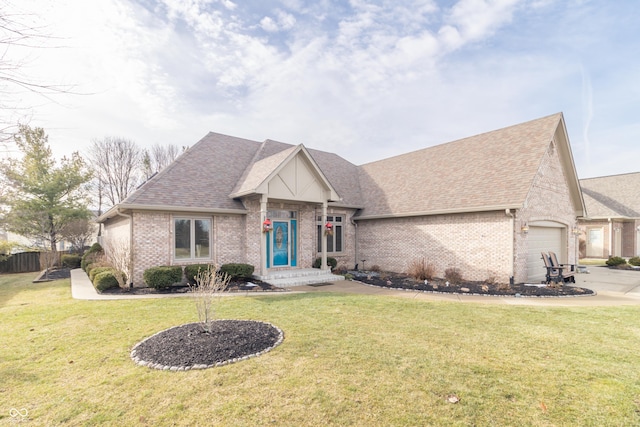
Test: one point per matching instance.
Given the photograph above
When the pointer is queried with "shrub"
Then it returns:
(634, 261)
(236, 271)
(105, 280)
(615, 261)
(95, 252)
(208, 284)
(331, 262)
(162, 277)
(97, 270)
(348, 276)
(96, 264)
(452, 275)
(71, 261)
(190, 271)
(376, 268)
(420, 270)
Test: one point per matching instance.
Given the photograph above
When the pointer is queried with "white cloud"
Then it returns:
(364, 79)
(268, 24)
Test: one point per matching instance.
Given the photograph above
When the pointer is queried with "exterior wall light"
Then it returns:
(524, 228)
(267, 226)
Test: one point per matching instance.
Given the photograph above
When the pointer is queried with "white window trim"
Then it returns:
(192, 239)
(341, 223)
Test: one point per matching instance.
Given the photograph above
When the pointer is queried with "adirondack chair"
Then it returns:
(569, 270)
(557, 273)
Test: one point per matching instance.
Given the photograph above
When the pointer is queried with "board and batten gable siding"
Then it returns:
(478, 244)
(549, 200)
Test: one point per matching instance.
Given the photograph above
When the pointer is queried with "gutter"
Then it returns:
(117, 210)
(118, 213)
(439, 212)
(513, 243)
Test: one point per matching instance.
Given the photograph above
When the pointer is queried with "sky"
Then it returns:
(364, 79)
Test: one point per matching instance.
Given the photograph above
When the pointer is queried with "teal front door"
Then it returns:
(281, 244)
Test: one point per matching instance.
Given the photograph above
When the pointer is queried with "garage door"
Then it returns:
(541, 239)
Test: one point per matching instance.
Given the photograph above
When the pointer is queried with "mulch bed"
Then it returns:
(237, 285)
(191, 347)
(399, 281)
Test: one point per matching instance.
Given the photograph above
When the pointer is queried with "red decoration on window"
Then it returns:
(328, 229)
(266, 226)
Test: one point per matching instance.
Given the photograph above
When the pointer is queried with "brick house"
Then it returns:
(613, 225)
(486, 205)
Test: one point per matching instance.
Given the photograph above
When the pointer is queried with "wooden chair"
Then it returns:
(569, 270)
(555, 272)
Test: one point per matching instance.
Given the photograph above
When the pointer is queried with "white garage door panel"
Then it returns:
(541, 239)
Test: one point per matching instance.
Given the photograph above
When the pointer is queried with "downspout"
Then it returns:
(513, 242)
(355, 243)
(610, 237)
(130, 272)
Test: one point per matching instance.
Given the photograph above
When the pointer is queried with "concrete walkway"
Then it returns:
(613, 288)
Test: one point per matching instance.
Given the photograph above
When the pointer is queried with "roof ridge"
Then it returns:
(459, 140)
(610, 176)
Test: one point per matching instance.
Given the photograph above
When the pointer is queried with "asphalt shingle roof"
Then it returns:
(612, 196)
(487, 170)
(491, 170)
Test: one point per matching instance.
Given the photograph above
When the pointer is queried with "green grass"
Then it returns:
(593, 261)
(346, 360)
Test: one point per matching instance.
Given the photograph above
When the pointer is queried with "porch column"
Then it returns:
(323, 237)
(263, 236)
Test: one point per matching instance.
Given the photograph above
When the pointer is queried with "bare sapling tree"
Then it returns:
(158, 158)
(208, 286)
(116, 164)
(78, 232)
(118, 254)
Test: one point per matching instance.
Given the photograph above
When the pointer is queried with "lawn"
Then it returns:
(346, 360)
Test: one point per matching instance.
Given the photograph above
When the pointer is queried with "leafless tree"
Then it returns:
(209, 285)
(159, 157)
(79, 233)
(116, 163)
(118, 254)
(18, 30)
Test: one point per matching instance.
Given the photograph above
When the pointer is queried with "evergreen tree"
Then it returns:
(42, 197)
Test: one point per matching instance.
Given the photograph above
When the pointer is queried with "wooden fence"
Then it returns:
(26, 262)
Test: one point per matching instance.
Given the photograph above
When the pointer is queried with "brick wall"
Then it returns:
(229, 239)
(548, 200)
(478, 244)
(152, 242)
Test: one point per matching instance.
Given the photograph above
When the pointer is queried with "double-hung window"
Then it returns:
(192, 238)
(334, 241)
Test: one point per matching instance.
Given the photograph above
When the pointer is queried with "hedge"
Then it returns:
(94, 252)
(330, 262)
(93, 272)
(71, 261)
(236, 270)
(105, 280)
(634, 261)
(162, 277)
(190, 271)
(615, 261)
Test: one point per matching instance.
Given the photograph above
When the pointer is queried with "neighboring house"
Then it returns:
(487, 205)
(613, 225)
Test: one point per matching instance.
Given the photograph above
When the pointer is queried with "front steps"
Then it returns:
(298, 277)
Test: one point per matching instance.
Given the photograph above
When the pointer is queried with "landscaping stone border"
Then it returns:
(159, 366)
